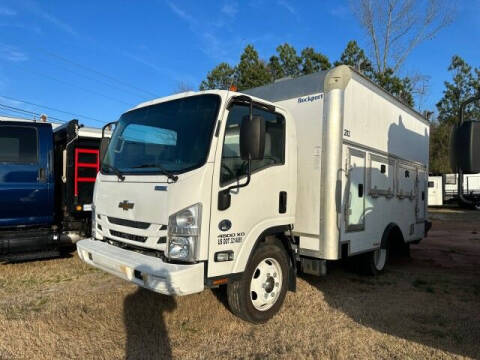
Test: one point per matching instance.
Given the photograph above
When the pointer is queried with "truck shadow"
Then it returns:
(146, 331)
(401, 309)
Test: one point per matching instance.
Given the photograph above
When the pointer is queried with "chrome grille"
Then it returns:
(128, 236)
(129, 223)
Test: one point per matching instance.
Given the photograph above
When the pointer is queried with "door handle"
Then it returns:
(360, 190)
(42, 175)
(282, 202)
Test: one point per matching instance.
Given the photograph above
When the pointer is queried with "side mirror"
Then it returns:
(465, 147)
(105, 141)
(252, 138)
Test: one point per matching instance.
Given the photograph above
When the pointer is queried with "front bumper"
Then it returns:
(146, 271)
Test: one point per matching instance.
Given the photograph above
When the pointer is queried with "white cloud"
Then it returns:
(230, 9)
(50, 18)
(11, 53)
(144, 60)
(181, 13)
(29, 27)
(4, 11)
(340, 11)
(289, 7)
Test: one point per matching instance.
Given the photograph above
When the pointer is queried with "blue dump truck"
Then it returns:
(47, 175)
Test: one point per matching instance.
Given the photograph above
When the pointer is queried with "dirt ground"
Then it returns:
(425, 306)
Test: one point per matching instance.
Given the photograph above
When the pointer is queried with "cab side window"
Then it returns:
(233, 167)
(18, 144)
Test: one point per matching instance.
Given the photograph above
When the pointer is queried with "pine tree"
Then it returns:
(220, 77)
(313, 61)
(465, 84)
(251, 71)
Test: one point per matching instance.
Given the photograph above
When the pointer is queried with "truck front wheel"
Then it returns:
(260, 293)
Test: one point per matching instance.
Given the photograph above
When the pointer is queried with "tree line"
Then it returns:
(392, 29)
(252, 71)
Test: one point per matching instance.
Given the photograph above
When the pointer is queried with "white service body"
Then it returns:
(354, 164)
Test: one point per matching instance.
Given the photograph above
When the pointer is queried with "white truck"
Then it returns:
(470, 186)
(435, 190)
(202, 189)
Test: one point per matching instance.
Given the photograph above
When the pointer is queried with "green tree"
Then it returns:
(252, 71)
(276, 69)
(465, 83)
(289, 60)
(398, 87)
(220, 77)
(312, 61)
(355, 57)
(439, 162)
(288, 63)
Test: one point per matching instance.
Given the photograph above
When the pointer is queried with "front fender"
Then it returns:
(263, 228)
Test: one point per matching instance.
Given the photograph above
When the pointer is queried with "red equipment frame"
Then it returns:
(78, 165)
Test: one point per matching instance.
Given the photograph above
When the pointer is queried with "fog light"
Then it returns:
(180, 248)
(224, 256)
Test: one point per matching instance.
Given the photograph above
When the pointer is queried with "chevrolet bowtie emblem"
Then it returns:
(125, 205)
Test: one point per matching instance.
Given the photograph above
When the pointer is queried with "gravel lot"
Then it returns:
(425, 306)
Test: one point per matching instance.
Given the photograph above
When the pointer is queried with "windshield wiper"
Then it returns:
(162, 170)
(113, 169)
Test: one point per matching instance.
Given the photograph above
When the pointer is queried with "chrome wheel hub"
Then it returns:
(266, 284)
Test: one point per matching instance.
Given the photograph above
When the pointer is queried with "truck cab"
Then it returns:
(177, 207)
(47, 172)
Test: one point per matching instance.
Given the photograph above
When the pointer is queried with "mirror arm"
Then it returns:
(460, 189)
(105, 127)
(238, 186)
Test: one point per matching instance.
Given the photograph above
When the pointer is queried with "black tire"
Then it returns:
(239, 294)
(370, 263)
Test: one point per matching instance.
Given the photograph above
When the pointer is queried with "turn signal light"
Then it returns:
(224, 256)
(220, 281)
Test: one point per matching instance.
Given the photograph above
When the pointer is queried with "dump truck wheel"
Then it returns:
(260, 293)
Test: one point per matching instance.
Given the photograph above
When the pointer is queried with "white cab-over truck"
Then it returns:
(202, 189)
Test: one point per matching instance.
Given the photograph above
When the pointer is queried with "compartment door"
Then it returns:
(421, 195)
(355, 200)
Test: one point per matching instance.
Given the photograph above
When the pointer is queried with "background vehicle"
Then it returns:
(465, 152)
(471, 187)
(436, 190)
(46, 185)
(203, 189)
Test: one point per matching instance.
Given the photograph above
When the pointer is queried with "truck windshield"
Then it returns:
(166, 138)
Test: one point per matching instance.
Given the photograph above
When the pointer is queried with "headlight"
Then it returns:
(180, 247)
(183, 233)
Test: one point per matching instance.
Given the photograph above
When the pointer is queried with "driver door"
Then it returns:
(264, 200)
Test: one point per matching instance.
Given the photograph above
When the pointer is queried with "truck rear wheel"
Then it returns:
(374, 262)
(260, 293)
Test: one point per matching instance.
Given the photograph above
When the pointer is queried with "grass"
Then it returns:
(426, 307)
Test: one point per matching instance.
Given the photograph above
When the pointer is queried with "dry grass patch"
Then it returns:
(423, 307)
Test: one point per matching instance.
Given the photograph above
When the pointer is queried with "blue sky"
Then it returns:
(144, 49)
